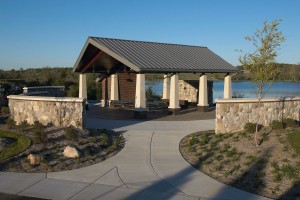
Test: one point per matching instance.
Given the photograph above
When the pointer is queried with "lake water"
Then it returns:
(245, 88)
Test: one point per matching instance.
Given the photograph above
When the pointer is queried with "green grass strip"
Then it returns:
(294, 140)
(21, 144)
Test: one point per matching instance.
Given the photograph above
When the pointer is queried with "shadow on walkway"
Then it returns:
(169, 188)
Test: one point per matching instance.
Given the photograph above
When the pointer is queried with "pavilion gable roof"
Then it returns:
(152, 57)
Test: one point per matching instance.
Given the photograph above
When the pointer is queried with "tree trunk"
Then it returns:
(257, 124)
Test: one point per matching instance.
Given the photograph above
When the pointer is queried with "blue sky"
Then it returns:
(38, 33)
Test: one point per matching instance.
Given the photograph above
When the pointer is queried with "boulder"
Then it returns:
(34, 159)
(71, 152)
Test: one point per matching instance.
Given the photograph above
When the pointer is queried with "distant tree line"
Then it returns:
(63, 76)
(47, 76)
(288, 72)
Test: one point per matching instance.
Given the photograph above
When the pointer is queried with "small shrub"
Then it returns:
(204, 140)
(40, 137)
(231, 153)
(105, 141)
(277, 177)
(276, 125)
(38, 127)
(288, 122)
(289, 171)
(193, 141)
(250, 159)
(218, 167)
(275, 165)
(5, 110)
(23, 126)
(71, 133)
(10, 123)
(250, 127)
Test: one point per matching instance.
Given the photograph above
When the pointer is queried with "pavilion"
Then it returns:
(115, 60)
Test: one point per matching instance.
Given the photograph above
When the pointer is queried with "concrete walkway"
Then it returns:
(149, 167)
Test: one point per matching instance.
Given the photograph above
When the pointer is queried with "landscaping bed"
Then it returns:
(271, 169)
(47, 147)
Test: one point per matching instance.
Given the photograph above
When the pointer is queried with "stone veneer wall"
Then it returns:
(233, 114)
(60, 111)
(188, 90)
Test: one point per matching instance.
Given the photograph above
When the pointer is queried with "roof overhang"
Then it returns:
(79, 66)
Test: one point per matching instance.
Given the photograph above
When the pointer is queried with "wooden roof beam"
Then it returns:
(91, 61)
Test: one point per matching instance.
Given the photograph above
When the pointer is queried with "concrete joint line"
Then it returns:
(32, 185)
(121, 178)
(156, 172)
(97, 180)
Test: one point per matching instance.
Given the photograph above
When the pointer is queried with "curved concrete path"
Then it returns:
(149, 167)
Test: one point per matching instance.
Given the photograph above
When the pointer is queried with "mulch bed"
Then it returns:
(94, 146)
(272, 169)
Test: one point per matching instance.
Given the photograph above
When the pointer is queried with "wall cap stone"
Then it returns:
(255, 100)
(44, 87)
(40, 98)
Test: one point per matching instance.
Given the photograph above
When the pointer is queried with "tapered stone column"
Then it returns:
(82, 86)
(202, 99)
(174, 95)
(166, 88)
(227, 87)
(114, 88)
(140, 93)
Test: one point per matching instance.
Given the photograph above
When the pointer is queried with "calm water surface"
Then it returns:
(245, 88)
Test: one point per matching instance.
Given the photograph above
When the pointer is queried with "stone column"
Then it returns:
(174, 95)
(202, 99)
(227, 87)
(166, 88)
(114, 88)
(82, 86)
(140, 93)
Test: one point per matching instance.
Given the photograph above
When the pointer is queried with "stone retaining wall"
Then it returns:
(59, 111)
(233, 114)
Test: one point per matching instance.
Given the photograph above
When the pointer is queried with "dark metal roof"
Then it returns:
(152, 57)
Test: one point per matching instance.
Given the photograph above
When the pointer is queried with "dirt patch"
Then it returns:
(93, 145)
(271, 169)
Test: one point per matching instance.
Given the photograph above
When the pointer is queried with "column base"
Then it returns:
(166, 101)
(173, 111)
(140, 113)
(202, 108)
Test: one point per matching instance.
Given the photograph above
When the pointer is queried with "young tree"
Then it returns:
(261, 62)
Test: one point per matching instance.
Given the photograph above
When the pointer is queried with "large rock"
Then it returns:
(34, 159)
(71, 152)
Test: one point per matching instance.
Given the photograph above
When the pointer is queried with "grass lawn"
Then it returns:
(21, 144)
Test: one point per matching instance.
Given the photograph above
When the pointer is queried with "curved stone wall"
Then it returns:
(59, 111)
(233, 114)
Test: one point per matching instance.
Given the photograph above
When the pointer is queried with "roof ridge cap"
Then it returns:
(92, 37)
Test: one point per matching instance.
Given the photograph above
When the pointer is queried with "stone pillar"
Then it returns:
(166, 88)
(114, 88)
(140, 93)
(203, 96)
(82, 86)
(174, 95)
(227, 87)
